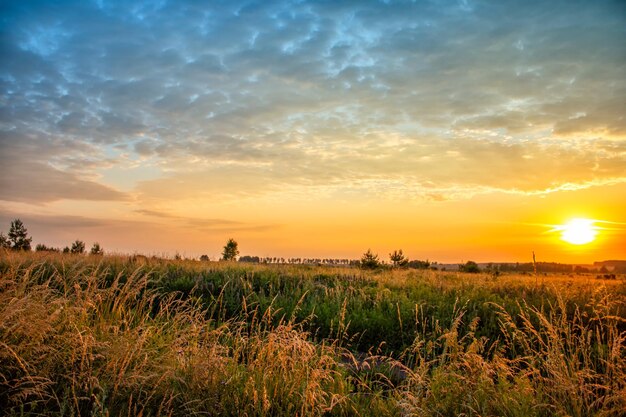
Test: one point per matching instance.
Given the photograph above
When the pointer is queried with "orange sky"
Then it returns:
(451, 130)
(485, 227)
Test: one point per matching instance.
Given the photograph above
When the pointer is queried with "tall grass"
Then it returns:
(109, 336)
(547, 364)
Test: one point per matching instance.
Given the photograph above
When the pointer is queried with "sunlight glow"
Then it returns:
(578, 231)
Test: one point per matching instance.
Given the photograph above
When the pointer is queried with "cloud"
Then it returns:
(39, 183)
(207, 224)
(243, 99)
(52, 221)
(28, 175)
(125, 234)
(415, 167)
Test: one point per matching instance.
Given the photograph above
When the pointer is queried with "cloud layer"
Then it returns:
(433, 99)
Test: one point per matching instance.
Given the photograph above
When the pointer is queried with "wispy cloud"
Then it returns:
(127, 234)
(207, 224)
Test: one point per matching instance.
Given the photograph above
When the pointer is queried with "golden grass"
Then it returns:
(74, 346)
(75, 340)
(548, 364)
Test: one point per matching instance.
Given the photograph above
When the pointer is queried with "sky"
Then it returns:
(453, 130)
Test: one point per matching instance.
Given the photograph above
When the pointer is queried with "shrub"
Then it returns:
(417, 264)
(4, 242)
(96, 250)
(43, 248)
(469, 266)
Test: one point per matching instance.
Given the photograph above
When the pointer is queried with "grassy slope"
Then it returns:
(107, 336)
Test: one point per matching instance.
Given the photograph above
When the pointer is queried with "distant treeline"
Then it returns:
(18, 239)
(296, 261)
(415, 264)
(551, 267)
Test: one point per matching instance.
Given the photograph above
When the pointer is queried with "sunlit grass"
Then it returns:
(113, 336)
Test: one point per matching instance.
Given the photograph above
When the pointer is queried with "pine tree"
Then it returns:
(369, 260)
(78, 247)
(398, 259)
(18, 236)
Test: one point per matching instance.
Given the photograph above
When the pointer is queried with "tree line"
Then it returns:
(369, 260)
(18, 239)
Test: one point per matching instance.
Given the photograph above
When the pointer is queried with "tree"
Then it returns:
(66, 250)
(96, 249)
(204, 258)
(248, 258)
(470, 266)
(417, 264)
(369, 260)
(398, 259)
(230, 250)
(581, 269)
(18, 236)
(78, 247)
(43, 248)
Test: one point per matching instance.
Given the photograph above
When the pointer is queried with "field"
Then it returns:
(93, 335)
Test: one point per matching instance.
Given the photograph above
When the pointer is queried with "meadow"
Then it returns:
(113, 335)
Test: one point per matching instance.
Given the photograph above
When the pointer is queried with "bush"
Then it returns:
(470, 266)
(96, 250)
(43, 248)
(417, 264)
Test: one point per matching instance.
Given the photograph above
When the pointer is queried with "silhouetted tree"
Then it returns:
(248, 258)
(43, 248)
(96, 249)
(470, 266)
(66, 249)
(18, 236)
(369, 260)
(581, 269)
(204, 258)
(230, 250)
(417, 264)
(398, 259)
(78, 247)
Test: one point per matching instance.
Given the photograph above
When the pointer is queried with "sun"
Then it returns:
(578, 231)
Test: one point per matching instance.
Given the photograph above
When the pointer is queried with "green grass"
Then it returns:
(112, 336)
